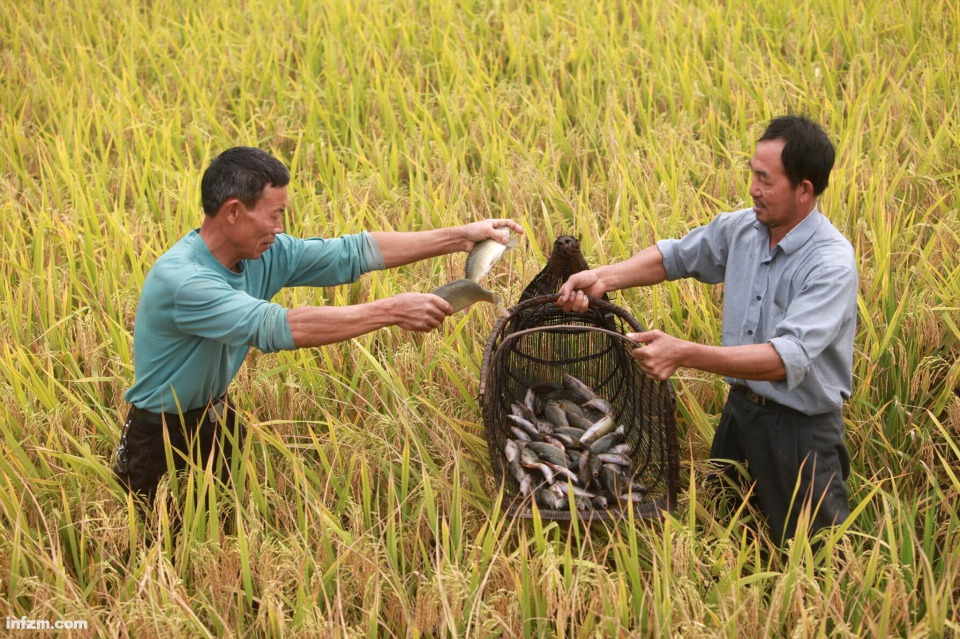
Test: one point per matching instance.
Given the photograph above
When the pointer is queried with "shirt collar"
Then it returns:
(798, 235)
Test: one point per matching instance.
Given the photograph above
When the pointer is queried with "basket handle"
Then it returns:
(559, 328)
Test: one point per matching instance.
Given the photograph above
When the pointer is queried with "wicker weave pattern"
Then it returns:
(538, 342)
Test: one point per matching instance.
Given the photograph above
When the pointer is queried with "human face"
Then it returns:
(777, 204)
(257, 228)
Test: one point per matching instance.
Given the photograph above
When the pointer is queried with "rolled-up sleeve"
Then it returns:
(702, 253)
(814, 319)
(213, 310)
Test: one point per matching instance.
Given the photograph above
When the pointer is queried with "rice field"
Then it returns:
(367, 508)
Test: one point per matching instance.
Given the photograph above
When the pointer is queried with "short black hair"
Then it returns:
(808, 153)
(241, 172)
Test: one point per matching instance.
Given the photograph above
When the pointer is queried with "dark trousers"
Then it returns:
(195, 437)
(795, 461)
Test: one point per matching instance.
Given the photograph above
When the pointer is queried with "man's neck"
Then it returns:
(218, 245)
(777, 233)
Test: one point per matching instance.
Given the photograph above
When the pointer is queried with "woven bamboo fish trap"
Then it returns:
(537, 343)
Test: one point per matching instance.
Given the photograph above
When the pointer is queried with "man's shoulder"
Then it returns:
(831, 246)
(179, 265)
(736, 220)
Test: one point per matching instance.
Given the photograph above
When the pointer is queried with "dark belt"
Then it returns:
(212, 411)
(759, 400)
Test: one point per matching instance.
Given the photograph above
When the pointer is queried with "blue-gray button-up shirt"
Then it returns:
(801, 297)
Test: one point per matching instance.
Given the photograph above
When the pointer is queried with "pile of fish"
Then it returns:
(567, 450)
(467, 291)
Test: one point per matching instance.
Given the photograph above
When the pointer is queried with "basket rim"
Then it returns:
(541, 300)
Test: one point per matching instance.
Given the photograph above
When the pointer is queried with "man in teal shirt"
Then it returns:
(205, 302)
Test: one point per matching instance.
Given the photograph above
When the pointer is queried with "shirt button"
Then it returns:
(749, 332)
(758, 298)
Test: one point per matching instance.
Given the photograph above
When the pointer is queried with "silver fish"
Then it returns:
(528, 456)
(572, 383)
(583, 466)
(518, 409)
(462, 293)
(581, 492)
(570, 431)
(621, 449)
(522, 477)
(563, 470)
(549, 499)
(528, 427)
(526, 486)
(554, 441)
(619, 460)
(610, 480)
(569, 407)
(520, 434)
(548, 452)
(568, 442)
(603, 444)
(512, 450)
(485, 254)
(582, 503)
(598, 430)
(544, 469)
(555, 415)
(600, 404)
(565, 395)
(578, 421)
(576, 458)
(545, 428)
(532, 402)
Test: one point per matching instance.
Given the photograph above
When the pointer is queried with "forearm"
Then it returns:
(759, 362)
(322, 325)
(399, 248)
(643, 269)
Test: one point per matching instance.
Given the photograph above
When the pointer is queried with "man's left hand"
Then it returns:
(660, 356)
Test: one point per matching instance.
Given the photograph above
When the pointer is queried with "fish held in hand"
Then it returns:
(485, 254)
(462, 293)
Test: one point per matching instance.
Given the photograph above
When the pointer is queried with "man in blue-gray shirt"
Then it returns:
(789, 318)
(205, 302)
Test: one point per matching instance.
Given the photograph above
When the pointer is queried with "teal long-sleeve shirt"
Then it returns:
(197, 319)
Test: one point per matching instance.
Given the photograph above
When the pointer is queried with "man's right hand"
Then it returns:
(574, 292)
(419, 311)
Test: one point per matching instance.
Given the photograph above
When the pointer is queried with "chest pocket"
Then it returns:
(782, 296)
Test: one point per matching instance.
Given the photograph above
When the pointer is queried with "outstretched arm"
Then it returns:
(662, 354)
(643, 269)
(321, 325)
(399, 248)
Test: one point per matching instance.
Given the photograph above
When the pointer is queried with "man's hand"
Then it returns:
(495, 229)
(661, 354)
(418, 311)
(574, 292)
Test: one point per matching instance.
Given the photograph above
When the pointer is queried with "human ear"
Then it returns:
(231, 209)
